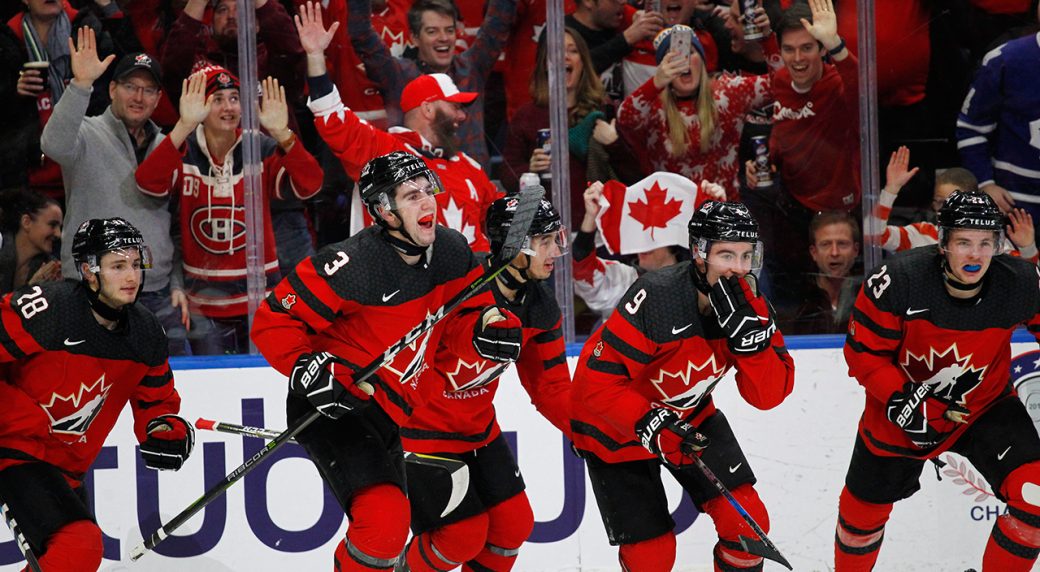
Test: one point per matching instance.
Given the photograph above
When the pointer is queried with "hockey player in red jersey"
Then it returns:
(74, 354)
(642, 393)
(486, 530)
(346, 305)
(929, 340)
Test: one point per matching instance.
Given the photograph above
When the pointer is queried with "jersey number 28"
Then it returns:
(31, 303)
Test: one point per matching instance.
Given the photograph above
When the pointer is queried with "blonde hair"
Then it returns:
(678, 131)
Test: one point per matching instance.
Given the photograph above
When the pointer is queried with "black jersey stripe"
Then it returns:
(600, 437)
(626, 349)
(423, 434)
(391, 395)
(864, 320)
(551, 363)
(148, 404)
(9, 344)
(548, 336)
(861, 348)
(310, 299)
(1033, 328)
(608, 367)
(156, 381)
(274, 305)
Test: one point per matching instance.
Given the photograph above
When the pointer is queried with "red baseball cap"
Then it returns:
(433, 87)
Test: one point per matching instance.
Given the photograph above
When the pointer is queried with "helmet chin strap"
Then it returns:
(700, 279)
(952, 281)
(409, 247)
(513, 282)
(104, 310)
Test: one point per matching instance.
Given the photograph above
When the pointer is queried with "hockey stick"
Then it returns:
(763, 546)
(528, 199)
(19, 539)
(457, 470)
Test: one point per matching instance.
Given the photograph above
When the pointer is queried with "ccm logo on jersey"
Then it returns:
(219, 229)
(756, 338)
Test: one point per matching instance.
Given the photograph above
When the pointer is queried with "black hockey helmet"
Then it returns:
(383, 174)
(500, 215)
(717, 221)
(972, 210)
(100, 235)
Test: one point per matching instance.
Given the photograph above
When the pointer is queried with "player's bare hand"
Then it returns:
(1001, 196)
(605, 133)
(898, 172)
(313, 35)
(1020, 229)
(824, 26)
(86, 67)
(540, 161)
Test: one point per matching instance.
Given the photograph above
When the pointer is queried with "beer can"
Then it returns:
(760, 143)
(747, 10)
(528, 180)
(543, 141)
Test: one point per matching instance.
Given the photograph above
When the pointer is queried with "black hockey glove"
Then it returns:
(169, 443)
(498, 340)
(744, 317)
(673, 440)
(328, 385)
(926, 419)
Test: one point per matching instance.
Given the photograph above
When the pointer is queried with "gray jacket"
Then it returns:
(97, 164)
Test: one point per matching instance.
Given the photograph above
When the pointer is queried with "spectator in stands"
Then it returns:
(98, 157)
(683, 121)
(191, 41)
(200, 165)
(43, 34)
(31, 224)
(739, 54)
(434, 111)
(599, 24)
(596, 151)
(829, 292)
(997, 131)
(899, 238)
(433, 25)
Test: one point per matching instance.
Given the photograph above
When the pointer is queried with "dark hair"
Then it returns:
(442, 7)
(590, 92)
(791, 21)
(17, 202)
(827, 218)
(959, 177)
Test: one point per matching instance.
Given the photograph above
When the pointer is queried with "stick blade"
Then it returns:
(765, 549)
(528, 200)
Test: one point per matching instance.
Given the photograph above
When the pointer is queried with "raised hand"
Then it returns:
(605, 133)
(274, 111)
(824, 26)
(313, 35)
(898, 174)
(591, 198)
(86, 67)
(1001, 196)
(671, 67)
(1020, 229)
(194, 105)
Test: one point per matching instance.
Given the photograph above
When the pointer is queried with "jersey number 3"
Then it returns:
(879, 282)
(335, 265)
(31, 303)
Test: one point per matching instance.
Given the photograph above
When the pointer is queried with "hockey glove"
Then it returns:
(328, 385)
(744, 317)
(925, 419)
(673, 440)
(169, 443)
(498, 339)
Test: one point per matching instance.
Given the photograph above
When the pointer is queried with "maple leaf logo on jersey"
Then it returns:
(453, 219)
(703, 379)
(72, 414)
(657, 210)
(288, 301)
(476, 370)
(950, 375)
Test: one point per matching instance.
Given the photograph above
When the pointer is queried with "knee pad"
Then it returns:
(654, 555)
(730, 526)
(377, 531)
(447, 547)
(74, 547)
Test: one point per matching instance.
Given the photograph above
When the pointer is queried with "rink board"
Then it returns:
(281, 518)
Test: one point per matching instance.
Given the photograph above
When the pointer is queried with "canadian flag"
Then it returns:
(650, 214)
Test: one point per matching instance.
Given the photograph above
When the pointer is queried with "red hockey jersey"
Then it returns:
(210, 197)
(906, 327)
(357, 297)
(460, 416)
(65, 378)
(468, 194)
(658, 350)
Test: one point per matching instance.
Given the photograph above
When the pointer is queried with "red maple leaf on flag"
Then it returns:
(658, 209)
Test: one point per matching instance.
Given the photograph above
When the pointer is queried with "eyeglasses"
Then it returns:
(135, 89)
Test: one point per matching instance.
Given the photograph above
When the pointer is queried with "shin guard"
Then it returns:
(654, 555)
(377, 532)
(510, 522)
(729, 553)
(860, 531)
(447, 547)
(1014, 542)
(75, 547)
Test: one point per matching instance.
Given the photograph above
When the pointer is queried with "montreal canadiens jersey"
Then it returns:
(658, 350)
(357, 297)
(906, 327)
(66, 378)
(459, 415)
